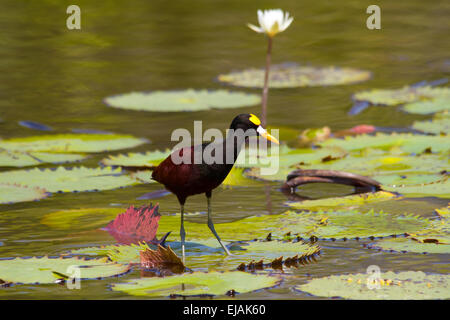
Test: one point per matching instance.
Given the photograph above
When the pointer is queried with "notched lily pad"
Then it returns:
(183, 100)
(124, 254)
(42, 270)
(149, 159)
(197, 283)
(439, 188)
(63, 179)
(9, 158)
(143, 176)
(440, 124)
(405, 141)
(292, 75)
(12, 193)
(428, 106)
(407, 94)
(351, 201)
(428, 244)
(388, 286)
(339, 224)
(72, 142)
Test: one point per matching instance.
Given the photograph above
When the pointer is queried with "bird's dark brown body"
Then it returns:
(187, 179)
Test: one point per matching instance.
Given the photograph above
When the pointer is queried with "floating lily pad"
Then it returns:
(392, 286)
(407, 179)
(439, 188)
(197, 283)
(407, 142)
(80, 219)
(12, 193)
(42, 270)
(291, 75)
(323, 224)
(439, 125)
(407, 94)
(387, 169)
(183, 100)
(443, 212)
(24, 159)
(144, 176)
(287, 157)
(351, 201)
(428, 106)
(386, 164)
(435, 244)
(63, 179)
(279, 175)
(72, 142)
(117, 253)
(270, 250)
(148, 159)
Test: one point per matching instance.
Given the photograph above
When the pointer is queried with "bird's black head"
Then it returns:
(246, 121)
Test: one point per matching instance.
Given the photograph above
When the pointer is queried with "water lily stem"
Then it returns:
(266, 83)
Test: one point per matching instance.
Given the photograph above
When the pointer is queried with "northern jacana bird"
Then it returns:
(205, 166)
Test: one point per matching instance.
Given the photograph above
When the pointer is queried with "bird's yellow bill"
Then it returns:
(263, 133)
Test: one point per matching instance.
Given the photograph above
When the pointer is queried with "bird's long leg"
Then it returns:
(211, 224)
(182, 232)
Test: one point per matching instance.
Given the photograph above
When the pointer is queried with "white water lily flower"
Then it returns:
(272, 22)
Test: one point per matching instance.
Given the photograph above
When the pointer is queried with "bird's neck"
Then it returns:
(232, 146)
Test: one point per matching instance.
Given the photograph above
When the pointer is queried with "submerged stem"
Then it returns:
(265, 92)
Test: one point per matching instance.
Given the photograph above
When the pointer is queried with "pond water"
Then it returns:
(59, 78)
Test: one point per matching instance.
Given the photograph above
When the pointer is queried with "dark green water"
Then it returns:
(59, 77)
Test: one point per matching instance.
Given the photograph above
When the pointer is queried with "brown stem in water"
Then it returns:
(299, 177)
(265, 92)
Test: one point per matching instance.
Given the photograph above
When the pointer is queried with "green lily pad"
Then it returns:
(428, 106)
(197, 283)
(407, 179)
(149, 159)
(208, 253)
(183, 100)
(63, 179)
(409, 245)
(407, 94)
(407, 142)
(42, 270)
(386, 168)
(144, 176)
(293, 75)
(323, 224)
(411, 285)
(387, 164)
(24, 159)
(443, 212)
(279, 175)
(439, 125)
(80, 219)
(287, 157)
(12, 193)
(351, 201)
(118, 253)
(439, 188)
(72, 142)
